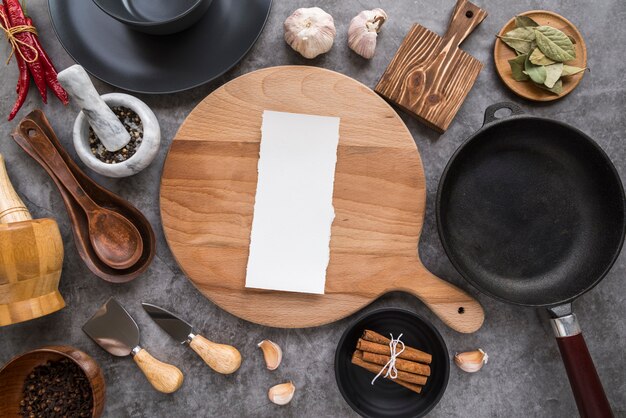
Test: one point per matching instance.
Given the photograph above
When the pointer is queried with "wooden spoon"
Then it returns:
(78, 218)
(114, 238)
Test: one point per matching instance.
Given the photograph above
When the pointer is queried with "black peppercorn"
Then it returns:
(56, 389)
(133, 125)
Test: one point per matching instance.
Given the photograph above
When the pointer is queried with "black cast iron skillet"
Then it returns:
(531, 212)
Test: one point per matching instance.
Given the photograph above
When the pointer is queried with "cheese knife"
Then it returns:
(222, 358)
(113, 329)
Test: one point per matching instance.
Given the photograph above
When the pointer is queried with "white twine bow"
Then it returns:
(392, 372)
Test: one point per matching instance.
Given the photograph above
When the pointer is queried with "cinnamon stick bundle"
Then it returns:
(409, 353)
(411, 386)
(357, 359)
(405, 365)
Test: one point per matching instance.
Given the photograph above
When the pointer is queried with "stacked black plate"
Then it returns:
(138, 62)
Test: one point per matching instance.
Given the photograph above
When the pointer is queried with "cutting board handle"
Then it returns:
(456, 308)
(465, 18)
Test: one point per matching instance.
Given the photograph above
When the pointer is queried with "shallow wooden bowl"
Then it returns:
(502, 53)
(13, 374)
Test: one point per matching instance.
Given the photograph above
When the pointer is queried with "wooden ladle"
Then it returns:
(115, 240)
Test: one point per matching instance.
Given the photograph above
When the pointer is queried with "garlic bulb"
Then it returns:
(363, 31)
(282, 394)
(310, 31)
(471, 361)
(272, 354)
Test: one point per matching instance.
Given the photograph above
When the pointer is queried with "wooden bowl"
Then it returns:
(502, 53)
(31, 260)
(13, 374)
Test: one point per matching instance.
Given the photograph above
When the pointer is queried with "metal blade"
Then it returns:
(170, 323)
(113, 329)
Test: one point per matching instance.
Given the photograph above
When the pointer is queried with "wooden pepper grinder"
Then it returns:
(31, 259)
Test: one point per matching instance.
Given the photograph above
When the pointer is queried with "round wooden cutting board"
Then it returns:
(209, 184)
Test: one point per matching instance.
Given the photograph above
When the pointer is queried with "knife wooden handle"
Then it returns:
(222, 358)
(162, 376)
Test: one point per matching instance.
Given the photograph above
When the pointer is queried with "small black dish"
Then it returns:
(385, 398)
(156, 17)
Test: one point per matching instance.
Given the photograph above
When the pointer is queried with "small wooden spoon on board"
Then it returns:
(114, 238)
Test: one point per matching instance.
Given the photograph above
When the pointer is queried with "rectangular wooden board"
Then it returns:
(428, 79)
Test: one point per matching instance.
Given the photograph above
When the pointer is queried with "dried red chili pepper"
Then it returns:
(17, 18)
(23, 81)
(23, 85)
(50, 72)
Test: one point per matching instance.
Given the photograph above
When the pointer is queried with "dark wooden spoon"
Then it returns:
(114, 238)
(78, 218)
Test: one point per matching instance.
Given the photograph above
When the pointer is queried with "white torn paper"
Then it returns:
(293, 209)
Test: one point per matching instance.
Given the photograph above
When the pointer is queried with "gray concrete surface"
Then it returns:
(524, 377)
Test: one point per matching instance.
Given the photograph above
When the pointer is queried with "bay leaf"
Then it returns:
(517, 68)
(537, 73)
(520, 39)
(524, 21)
(553, 74)
(554, 44)
(571, 70)
(556, 89)
(533, 46)
(526, 34)
(539, 58)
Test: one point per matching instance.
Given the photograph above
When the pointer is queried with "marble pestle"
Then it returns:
(103, 121)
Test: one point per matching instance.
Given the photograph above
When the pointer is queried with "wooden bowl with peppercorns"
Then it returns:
(52, 381)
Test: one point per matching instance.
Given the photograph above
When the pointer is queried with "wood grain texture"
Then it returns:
(429, 77)
(222, 358)
(164, 377)
(13, 374)
(12, 209)
(31, 260)
(209, 183)
(502, 53)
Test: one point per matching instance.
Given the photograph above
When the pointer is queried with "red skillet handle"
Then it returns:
(586, 385)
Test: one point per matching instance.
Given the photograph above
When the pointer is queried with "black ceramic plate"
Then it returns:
(385, 398)
(144, 63)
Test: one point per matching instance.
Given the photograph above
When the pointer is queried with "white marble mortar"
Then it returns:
(146, 152)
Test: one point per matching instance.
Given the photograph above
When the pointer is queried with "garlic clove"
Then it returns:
(363, 31)
(471, 361)
(272, 353)
(310, 31)
(282, 394)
